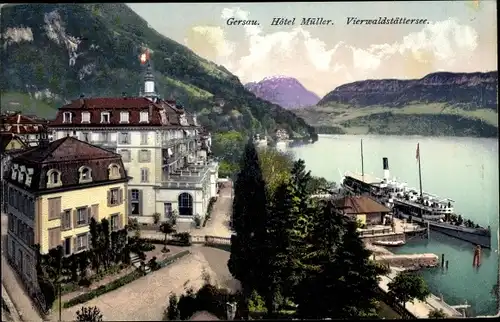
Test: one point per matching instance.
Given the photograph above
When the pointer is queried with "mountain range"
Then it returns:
(53, 53)
(284, 91)
(442, 103)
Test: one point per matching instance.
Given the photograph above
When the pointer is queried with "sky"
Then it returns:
(459, 36)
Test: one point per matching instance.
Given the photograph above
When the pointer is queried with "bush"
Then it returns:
(103, 289)
(171, 259)
(153, 264)
(209, 210)
(147, 246)
(179, 239)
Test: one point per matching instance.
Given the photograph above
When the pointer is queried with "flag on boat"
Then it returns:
(418, 151)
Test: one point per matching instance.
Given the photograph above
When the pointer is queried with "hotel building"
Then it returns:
(53, 192)
(160, 145)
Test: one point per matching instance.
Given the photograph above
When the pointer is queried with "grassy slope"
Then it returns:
(14, 101)
(354, 120)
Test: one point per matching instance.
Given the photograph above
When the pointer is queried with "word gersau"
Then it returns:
(386, 21)
(317, 21)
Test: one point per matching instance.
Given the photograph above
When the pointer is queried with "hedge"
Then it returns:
(171, 259)
(103, 289)
(161, 241)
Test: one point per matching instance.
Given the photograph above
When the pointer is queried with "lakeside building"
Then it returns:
(10, 145)
(53, 192)
(363, 209)
(30, 129)
(161, 147)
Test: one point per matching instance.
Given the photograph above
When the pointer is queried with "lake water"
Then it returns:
(462, 169)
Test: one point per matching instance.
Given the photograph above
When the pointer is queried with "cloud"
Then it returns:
(321, 66)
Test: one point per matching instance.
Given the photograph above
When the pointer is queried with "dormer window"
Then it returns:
(85, 117)
(53, 178)
(105, 117)
(22, 174)
(15, 170)
(114, 171)
(67, 117)
(144, 117)
(28, 177)
(124, 117)
(85, 175)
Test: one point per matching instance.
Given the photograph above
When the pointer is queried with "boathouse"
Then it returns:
(364, 209)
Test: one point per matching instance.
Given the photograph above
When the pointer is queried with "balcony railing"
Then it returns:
(166, 143)
(172, 184)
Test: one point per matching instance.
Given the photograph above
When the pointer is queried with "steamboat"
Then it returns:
(417, 206)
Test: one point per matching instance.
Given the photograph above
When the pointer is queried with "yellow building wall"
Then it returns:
(14, 144)
(75, 199)
(361, 219)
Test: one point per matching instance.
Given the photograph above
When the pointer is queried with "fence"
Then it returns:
(214, 240)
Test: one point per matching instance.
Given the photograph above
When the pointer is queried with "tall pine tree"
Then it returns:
(249, 219)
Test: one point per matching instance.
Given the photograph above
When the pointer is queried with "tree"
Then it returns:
(406, 287)
(249, 218)
(167, 229)
(89, 314)
(344, 281)
(173, 310)
(94, 241)
(437, 314)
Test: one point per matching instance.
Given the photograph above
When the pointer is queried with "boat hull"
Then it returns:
(466, 234)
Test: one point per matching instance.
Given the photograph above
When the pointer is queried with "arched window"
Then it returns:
(85, 174)
(185, 204)
(53, 178)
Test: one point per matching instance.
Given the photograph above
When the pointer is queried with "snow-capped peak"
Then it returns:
(275, 77)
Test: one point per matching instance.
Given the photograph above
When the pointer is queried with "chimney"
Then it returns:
(385, 163)
(150, 111)
(82, 101)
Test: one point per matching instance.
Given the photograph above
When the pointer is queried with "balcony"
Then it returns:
(170, 142)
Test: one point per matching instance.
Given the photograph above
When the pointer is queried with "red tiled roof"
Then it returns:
(115, 105)
(67, 155)
(360, 205)
(22, 124)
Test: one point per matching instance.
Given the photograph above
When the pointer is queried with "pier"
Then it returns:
(420, 309)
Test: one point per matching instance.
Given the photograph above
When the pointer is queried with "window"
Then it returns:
(124, 138)
(81, 242)
(144, 156)
(21, 176)
(105, 117)
(104, 137)
(86, 136)
(11, 222)
(54, 208)
(115, 222)
(85, 174)
(144, 138)
(66, 220)
(124, 117)
(114, 171)
(67, 117)
(54, 237)
(135, 201)
(53, 178)
(167, 209)
(114, 197)
(185, 204)
(82, 216)
(67, 246)
(125, 155)
(144, 117)
(85, 117)
(144, 175)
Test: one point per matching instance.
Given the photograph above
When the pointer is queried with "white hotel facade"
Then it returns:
(161, 148)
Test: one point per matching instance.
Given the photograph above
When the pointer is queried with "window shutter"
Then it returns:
(87, 241)
(149, 156)
(129, 202)
(109, 198)
(120, 196)
(140, 202)
(58, 237)
(120, 220)
(87, 215)
(75, 219)
(94, 212)
(73, 240)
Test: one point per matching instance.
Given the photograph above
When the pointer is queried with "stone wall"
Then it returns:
(384, 237)
(413, 261)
